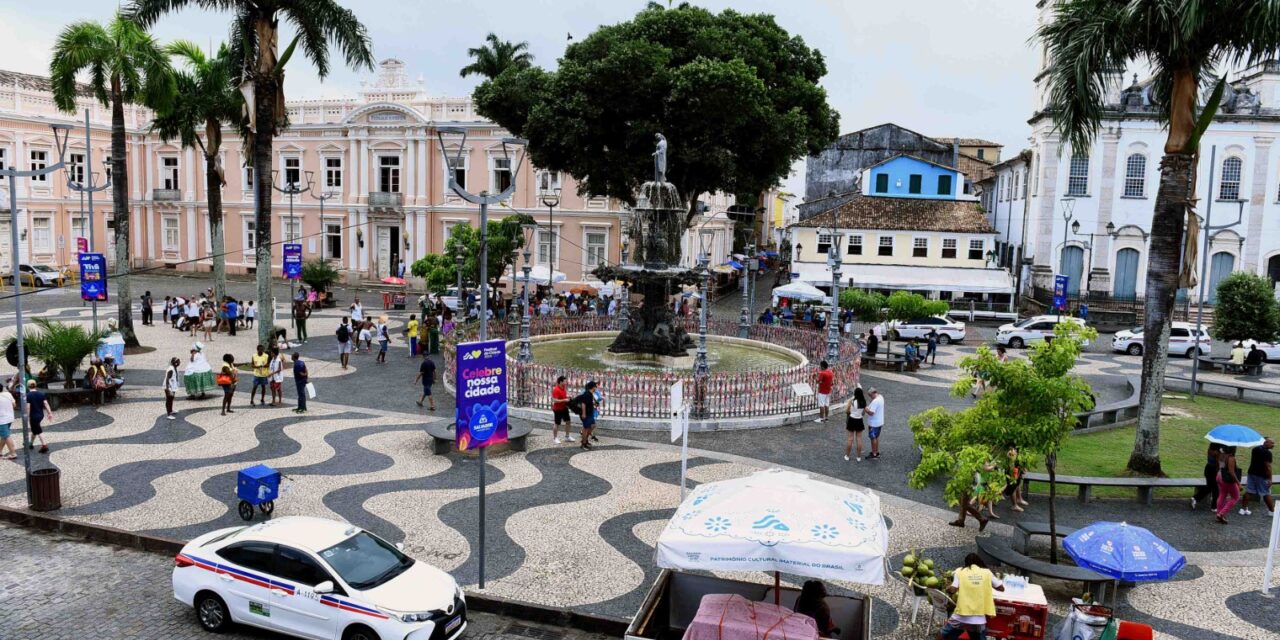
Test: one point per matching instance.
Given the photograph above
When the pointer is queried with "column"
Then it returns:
(1099, 277)
(134, 161)
(188, 162)
(363, 266)
(424, 185)
(1257, 204)
(407, 238)
(420, 240)
(191, 232)
(353, 246)
(153, 238)
(151, 178)
(20, 159)
(362, 150)
(410, 172)
(1043, 267)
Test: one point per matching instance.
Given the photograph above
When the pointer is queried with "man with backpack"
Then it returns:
(584, 404)
(344, 341)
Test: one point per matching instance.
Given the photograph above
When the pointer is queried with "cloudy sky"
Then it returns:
(941, 67)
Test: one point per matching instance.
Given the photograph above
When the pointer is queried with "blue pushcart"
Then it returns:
(258, 486)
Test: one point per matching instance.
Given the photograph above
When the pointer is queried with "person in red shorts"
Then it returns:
(560, 408)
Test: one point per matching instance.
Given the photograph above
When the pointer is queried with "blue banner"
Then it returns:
(293, 261)
(1060, 292)
(481, 388)
(93, 277)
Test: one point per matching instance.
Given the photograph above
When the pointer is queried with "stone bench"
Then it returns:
(1238, 387)
(997, 551)
(1144, 486)
(1025, 530)
(57, 396)
(443, 438)
(893, 361)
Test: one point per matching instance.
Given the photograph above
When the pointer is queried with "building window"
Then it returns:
(291, 230)
(42, 234)
(78, 226)
(459, 167)
(824, 243)
(333, 173)
(248, 178)
(976, 248)
(4, 155)
(920, 248)
(39, 160)
(333, 240)
(106, 167)
(944, 185)
(76, 170)
(1229, 188)
(547, 238)
(886, 246)
(882, 183)
(389, 174)
(982, 154)
(1017, 180)
(293, 172)
(1135, 176)
(914, 183)
(949, 248)
(169, 173)
(548, 181)
(250, 236)
(501, 170)
(170, 234)
(597, 243)
(1078, 178)
(855, 245)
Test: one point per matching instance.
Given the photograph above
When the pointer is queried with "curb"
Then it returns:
(497, 605)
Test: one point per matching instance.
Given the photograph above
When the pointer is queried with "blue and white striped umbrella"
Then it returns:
(1234, 435)
(1124, 552)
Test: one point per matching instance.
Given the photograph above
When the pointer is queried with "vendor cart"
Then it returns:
(257, 486)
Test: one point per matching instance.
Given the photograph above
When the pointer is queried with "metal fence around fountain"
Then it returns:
(645, 394)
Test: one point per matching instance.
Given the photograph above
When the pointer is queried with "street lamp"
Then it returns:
(702, 368)
(60, 134)
(87, 189)
(623, 319)
(1207, 231)
(744, 319)
(324, 239)
(551, 200)
(526, 351)
(460, 306)
(753, 273)
(833, 327)
(1088, 263)
(292, 189)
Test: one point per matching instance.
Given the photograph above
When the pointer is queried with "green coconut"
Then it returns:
(909, 561)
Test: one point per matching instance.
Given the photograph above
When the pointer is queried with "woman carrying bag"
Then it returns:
(227, 378)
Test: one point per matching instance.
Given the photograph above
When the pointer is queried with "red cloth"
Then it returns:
(733, 617)
(560, 398)
(825, 380)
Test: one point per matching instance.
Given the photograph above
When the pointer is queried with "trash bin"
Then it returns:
(433, 341)
(386, 300)
(46, 490)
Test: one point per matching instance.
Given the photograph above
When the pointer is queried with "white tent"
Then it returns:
(801, 291)
(537, 276)
(778, 521)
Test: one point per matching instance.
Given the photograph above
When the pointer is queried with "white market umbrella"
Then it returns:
(537, 276)
(800, 291)
(778, 521)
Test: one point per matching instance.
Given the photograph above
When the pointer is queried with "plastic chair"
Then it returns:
(1134, 631)
(907, 592)
(941, 605)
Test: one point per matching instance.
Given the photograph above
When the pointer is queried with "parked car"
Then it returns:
(45, 276)
(1023, 332)
(948, 330)
(1271, 349)
(1184, 340)
(450, 298)
(316, 578)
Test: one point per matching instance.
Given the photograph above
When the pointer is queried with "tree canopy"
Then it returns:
(506, 238)
(1247, 309)
(736, 96)
(495, 56)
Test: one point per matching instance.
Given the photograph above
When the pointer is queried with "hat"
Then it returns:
(197, 346)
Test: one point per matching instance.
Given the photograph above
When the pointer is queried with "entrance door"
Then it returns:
(1273, 269)
(1126, 283)
(393, 264)
(384, 253)
(1220, 266)
(1073, 268)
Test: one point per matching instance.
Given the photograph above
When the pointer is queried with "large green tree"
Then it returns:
(1246, 309)
(209, 99)
(255, 36)
(736, 96)
(495, 56)
(506, 238)
(124, 65)
(1183, 42)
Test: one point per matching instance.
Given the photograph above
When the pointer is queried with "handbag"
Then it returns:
(223, 379)
(311, 390)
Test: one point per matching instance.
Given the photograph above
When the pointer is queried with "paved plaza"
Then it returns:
(565, 527)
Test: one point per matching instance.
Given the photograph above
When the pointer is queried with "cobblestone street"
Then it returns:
(56, 587)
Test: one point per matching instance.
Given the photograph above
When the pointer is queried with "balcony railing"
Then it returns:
(386, 199)
(166, 195)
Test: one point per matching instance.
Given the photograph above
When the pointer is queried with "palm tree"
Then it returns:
(125, 65)
(491, 59)
(255, 50)
(209, 99)
(1184, 43)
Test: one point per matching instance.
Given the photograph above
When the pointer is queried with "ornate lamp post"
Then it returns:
(460, 307)
(551, 200)
(324, 238)
(833, 325)
(701, 367)
(623, 319)
(1207, 233)
(753, 274)
(87, 188)
(526, 351)
(292, 189)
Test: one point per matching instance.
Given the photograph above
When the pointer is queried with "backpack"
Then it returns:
(344, 333)
(575, 403)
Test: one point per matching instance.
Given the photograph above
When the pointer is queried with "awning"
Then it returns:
(537, 276)
(909, 278)
(733, 263)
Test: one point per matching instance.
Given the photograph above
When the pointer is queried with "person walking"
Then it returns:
(825, 380)
(560, 411)
(411, 331)
(37, 410)
(931, 347)
(233, 315)
(973, 585)
(344, 342)
(8, 409)
(1210, 488)
(1013, 489)
(250, 314)
(427, 376)
(146, 308)
(277, 377)
(209, 321)
(170, 385)
(384, 338)
(300, 381)
(873, 344)
(365, 338)
(854, 424)
(193, 317)
(874, 417)
(1228, 483)
(357, 312)
(227, 378)
(585, 406)
(1258, 478)
(301, 311)
(261, 374)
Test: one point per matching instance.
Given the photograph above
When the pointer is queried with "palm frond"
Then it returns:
(81, 46)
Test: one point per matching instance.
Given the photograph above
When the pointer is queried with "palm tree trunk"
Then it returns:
(120, 202)
(1176, 173)
(262, 141)
(213, 191)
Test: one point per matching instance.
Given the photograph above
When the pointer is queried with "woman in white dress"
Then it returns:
(198, 375)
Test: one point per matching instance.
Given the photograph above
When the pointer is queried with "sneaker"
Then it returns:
(1246, 512)
(570, 439)
(1193, 503)
(817, 419)
(172, 417)
(44, 448)
(858, 459)
(846, 458)
(557, 440)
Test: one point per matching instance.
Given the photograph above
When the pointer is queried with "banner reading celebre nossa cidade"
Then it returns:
(481, 387)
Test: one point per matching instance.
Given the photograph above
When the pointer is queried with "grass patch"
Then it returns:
(1182, 445)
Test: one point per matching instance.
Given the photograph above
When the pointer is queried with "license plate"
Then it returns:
(453, 624)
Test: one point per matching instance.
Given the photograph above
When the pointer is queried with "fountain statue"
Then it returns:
(654, 271)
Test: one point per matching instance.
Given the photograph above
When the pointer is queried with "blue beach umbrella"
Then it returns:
(1234, 435)
(1122, 551)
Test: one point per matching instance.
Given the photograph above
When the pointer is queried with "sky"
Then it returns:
(940, 67)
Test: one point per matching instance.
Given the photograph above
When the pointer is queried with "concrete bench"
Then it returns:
(1111, 413)
(1238, 387)
(1025, 530)
(1145, 486)
(443, 438)
(57, 396)
(997, 551)
(886, 361)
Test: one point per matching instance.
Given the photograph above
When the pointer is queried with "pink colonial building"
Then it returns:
(377, 153)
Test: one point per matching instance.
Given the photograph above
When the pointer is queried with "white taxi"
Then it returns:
(1022, 333)
(1184, 340)
(316, 578)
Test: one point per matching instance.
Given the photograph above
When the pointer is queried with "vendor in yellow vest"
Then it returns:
(973, 585)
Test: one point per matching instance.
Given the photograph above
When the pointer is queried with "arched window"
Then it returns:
(1229, 188)
(1078, 178)
(1135, 176)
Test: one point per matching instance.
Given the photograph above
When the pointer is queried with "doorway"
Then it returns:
(388, 258)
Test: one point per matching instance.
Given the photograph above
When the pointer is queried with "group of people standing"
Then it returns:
(203, 313)
(1223, 481)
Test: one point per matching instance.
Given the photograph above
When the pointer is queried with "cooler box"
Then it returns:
(1018, 621)
(258, 484)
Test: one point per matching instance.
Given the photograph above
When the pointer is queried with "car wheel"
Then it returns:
(894, 335)
(1191, 353)
(1134, 350)
(944, 339)
(1016, 343)
(212, 613)
(359, 632)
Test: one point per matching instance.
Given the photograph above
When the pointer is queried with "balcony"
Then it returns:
(166, 195)
(386, 200)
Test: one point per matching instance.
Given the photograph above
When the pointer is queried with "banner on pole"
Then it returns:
(93, 277)
(677, 407)
(82, 245)
(481, 388)
(1060, 285)
(293, 261)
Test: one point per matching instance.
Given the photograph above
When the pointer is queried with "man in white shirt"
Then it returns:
(357, 312)
(874, 417)
(7, 407)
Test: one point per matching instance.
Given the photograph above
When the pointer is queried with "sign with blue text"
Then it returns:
(93, 277)
(1060, 284)
(481, 388)
(293, 261)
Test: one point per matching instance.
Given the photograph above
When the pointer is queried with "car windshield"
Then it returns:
(43, 268)
(1136, 331)
(365, 561)
(1023, 323)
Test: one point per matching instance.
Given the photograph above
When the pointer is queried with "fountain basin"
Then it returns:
(588, 351)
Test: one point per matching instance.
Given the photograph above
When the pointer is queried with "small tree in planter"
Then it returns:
(867, 306)
(63, 347)
(319, 275)
(1246, 309)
